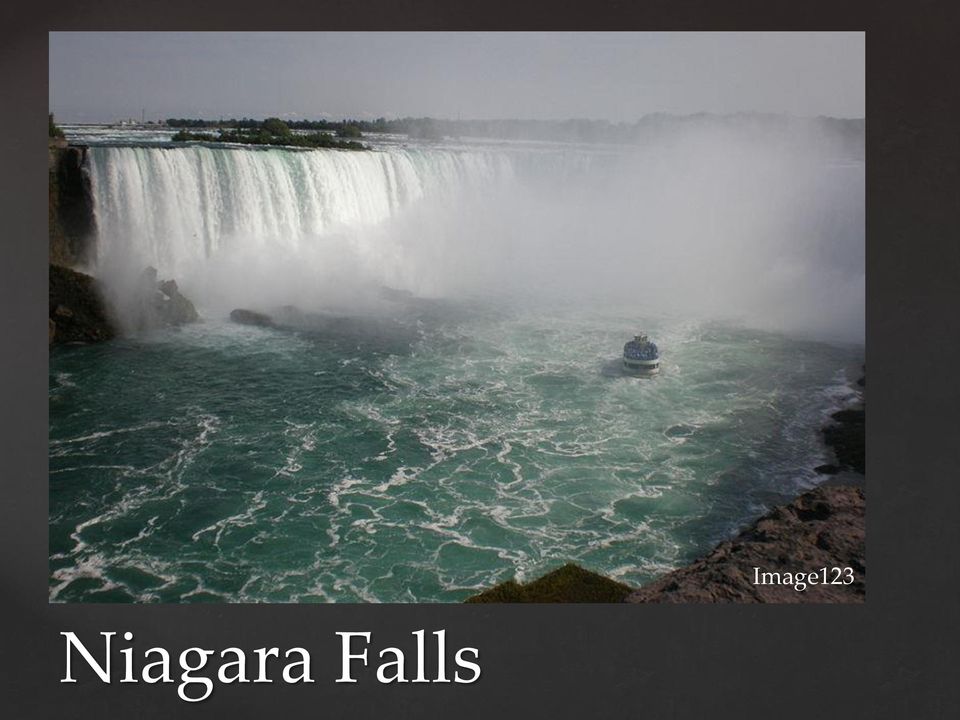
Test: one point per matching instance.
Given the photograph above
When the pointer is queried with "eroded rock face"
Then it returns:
(71, 221)
(368, 332)
(172, 307)
(162, 303)
(78, 312)
(847, 436)
(823, 528)
(249, 317)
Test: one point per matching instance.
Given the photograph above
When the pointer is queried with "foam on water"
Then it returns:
(482, 454)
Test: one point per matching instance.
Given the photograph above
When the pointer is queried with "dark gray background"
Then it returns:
(895, 657)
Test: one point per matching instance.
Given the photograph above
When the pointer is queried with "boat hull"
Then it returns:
(647, 367)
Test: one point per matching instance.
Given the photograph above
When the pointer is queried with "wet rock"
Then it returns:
(395, 295)
(78, 312)
(148, 278)
(847, 436)
(568, 584)
(366, 333)
(249, 317)
(823, 528)
(172, 307)
(70, 222)
(162, 303)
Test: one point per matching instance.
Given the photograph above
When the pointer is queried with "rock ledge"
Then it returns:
(823, 528)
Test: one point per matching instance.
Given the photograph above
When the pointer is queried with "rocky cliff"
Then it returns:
(70, 220)
(78, 312)
(823, 528)
(160, 303)
(78, 309)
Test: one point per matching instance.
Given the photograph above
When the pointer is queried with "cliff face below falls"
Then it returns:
(79, 311)
(70, 220)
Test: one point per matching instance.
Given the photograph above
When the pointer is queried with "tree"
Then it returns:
(349, 131)
(276, 127)
(55, 132)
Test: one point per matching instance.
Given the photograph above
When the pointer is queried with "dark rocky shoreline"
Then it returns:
(822, 528)
(77, 309)
(846, 436)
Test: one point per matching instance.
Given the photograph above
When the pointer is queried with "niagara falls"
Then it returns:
(394, 372)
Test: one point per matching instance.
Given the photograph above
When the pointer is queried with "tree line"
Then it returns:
(845, 136)
(272, 131)
(344, 128)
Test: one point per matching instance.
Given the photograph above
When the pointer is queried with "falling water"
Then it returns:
(174, 207)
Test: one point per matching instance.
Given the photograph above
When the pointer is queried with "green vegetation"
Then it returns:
(55, 132)
(276, 127)
(263, 137)
(569, 584)
(341, 127)
(184, 136)
(845, 137)
(272, 131)
(349, 131)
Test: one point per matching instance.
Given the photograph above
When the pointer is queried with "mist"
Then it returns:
(713, 224)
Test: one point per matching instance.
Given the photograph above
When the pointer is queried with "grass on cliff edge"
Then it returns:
(568, 584)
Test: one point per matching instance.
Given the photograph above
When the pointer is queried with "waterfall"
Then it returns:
(743, 229)
(175, 207)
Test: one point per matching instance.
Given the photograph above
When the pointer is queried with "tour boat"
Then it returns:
(641, 355)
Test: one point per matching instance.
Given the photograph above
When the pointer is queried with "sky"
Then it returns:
(108, 76)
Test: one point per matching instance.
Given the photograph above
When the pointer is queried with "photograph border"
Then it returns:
(895, 656)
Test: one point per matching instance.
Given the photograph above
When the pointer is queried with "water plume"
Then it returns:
(712, 223)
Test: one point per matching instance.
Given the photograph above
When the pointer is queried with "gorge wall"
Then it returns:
(70, 220)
